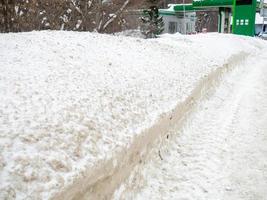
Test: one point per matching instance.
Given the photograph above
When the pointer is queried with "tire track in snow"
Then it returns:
(221, 150)
(113, 175)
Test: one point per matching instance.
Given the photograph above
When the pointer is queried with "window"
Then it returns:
(188, 28)
(172, 27)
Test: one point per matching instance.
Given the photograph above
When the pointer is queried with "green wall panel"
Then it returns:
(244, 17)
(213, 3)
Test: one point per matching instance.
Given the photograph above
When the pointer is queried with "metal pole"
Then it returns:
(262, 13)
(184, 18)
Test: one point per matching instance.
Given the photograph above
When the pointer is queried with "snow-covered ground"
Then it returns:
(220, 151)
(79, 111)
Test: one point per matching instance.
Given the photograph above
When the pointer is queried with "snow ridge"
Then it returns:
(109, 176)
(219, 152)
(71, 102)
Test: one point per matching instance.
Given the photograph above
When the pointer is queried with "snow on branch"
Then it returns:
(114, 16)
(76, 7)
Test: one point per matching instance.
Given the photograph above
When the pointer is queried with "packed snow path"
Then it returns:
(221, 150)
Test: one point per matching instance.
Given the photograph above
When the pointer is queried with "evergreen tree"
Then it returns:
(153, 24)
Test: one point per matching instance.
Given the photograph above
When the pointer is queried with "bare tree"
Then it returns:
(7, 14)
(81, 15)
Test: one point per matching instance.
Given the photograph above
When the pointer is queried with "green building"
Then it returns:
(236, 16)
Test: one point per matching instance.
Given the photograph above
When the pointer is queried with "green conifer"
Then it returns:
(152, 23)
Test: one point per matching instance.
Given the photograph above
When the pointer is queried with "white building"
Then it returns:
(260, 24)
(181, 22)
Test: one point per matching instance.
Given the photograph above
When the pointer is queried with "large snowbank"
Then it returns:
(70, 102)
(219, 151)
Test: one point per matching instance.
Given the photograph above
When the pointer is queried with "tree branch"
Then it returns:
(115, 15)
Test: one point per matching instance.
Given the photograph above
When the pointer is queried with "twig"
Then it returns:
(160, 155)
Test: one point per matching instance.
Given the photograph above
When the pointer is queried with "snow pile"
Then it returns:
(131, 33)
(71, 102)
(219, 151)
